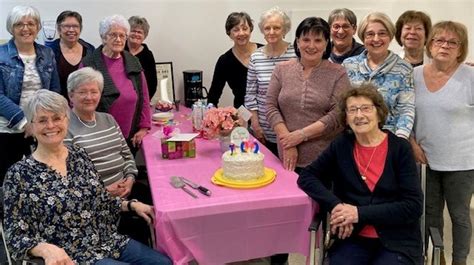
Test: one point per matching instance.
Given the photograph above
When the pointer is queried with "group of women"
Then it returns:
(62, 201)
(302, 96)
(366, 179)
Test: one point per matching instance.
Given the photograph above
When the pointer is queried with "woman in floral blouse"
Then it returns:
(55, 205)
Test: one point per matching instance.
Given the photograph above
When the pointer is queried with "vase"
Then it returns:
(224, 141)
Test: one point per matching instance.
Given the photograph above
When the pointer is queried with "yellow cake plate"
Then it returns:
(269, 177)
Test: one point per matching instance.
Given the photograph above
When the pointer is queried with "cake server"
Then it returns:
(198, 187)
(179, 184)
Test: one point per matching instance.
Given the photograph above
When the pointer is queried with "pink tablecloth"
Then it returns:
(232, 224)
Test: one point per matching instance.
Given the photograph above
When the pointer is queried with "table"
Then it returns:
(231, 225)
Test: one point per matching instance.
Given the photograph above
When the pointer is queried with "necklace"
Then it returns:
(364, 174)
(93, 123)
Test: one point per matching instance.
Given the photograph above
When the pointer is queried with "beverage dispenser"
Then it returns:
(193, 89)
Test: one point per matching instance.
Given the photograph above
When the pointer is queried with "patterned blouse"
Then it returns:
(73, 212)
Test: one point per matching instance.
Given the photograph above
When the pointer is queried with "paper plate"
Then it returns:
(269, 177)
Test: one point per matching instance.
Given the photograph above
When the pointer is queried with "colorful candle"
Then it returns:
(242, 147)
(232, 146)
(256, 149)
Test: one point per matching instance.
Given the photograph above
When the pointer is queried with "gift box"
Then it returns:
(174, 148)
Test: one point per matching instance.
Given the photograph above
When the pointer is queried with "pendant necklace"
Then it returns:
(364, 174)
(92, 125)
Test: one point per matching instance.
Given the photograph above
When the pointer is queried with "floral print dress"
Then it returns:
(74, 212)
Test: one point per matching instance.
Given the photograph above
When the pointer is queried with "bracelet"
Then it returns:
(305, 138)
(129, 204)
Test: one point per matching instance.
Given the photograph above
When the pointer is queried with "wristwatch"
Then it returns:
(129, 204)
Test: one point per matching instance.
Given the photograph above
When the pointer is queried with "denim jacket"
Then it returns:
(11, 78)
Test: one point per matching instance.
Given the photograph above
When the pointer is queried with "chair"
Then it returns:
(320, 232)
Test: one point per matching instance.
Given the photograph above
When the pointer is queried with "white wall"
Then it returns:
(191, 33)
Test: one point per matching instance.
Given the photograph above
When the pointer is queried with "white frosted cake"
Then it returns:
(240, 166)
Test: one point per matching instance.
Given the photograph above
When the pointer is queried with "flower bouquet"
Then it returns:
(220, 121)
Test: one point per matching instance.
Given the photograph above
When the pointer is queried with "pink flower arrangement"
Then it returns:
(220, 121)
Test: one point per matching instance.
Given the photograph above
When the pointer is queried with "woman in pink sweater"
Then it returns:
(302, 96)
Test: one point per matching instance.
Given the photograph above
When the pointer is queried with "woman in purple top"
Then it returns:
(125, 94)
(302, 96)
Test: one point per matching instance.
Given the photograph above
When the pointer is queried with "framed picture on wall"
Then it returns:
(164, 73)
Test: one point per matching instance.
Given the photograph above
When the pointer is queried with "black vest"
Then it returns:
(110, 92)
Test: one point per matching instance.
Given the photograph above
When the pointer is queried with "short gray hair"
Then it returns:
(109, 22)
(19, 12)
(343, 13)
(46, 100)
(275, 11)
(376, 17)
(139, 22)
(83, 76)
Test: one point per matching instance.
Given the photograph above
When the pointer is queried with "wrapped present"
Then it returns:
(178, 146)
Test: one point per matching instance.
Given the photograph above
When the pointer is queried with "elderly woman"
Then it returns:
(139, 29)
(274, 24)
(232, 66)
(125, 94)
(99, 134)
(58, 208)
(412, 31)
(69, 48)
(302, 96)
(444, 135)
(25, 67)
(343, 23)
(375, 202)
(392, 76)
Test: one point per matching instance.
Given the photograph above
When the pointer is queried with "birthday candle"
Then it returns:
(256, 147)
(232, 146)
(242, 147)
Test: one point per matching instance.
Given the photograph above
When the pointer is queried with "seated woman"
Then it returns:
(375, 201)
(99, 134)
(58, 208)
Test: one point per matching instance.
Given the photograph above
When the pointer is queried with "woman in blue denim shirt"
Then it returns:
(25, 67)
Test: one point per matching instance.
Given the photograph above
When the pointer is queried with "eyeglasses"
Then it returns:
(22, 25)
(137, 31)
(44, 121)
(370, 34)
(73, 27)
(365, 109)
(116, 36)
(452, 44)
(337, 27)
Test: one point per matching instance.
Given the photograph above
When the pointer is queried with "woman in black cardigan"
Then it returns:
(367, 181)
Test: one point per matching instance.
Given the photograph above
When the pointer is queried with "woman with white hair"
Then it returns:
(274, 24)
(392, 75)
(58, 207)
(100, 135)
(125, 95)
(26, 66)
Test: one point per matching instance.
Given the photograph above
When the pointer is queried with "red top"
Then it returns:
(370, 162)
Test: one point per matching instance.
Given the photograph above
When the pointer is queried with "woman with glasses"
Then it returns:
(26, 66)
(69, 48)
(367, 181)
(443, 132)
(125, 95)
(392, 76)
(343, 23)
(58, 208)
(139, 29)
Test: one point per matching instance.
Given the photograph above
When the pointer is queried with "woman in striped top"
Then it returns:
(274, 24)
